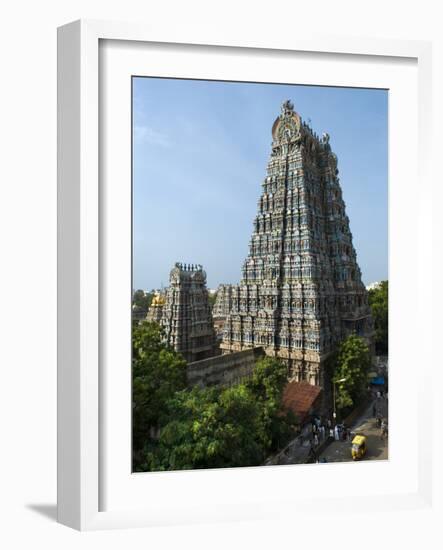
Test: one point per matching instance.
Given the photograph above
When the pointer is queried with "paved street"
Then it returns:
(340, 451)
(299, 450)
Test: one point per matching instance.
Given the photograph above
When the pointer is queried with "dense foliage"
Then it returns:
(351, 364)
(378, 300)
(202, 427)
(157, 373)
(142, 299)
(267, 383)
(208, 428)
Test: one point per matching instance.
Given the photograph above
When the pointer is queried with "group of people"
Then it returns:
(322, 430)
(341, 433)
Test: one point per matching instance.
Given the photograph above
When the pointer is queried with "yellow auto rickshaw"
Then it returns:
(358, 449)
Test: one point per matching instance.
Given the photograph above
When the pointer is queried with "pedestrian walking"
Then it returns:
(384, 429)
(374, 410)
(316, 442)
(322, 431)
(336, 433)
(331, 433)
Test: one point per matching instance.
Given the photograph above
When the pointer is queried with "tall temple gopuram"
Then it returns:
(186, 314)
(301, 291)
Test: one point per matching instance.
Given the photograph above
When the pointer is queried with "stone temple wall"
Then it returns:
(224, 370)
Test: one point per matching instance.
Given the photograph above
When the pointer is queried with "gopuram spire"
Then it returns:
(301, 291)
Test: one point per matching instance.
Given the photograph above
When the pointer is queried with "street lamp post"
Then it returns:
(334, 414)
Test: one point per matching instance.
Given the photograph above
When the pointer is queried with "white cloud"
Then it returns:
(145, 134)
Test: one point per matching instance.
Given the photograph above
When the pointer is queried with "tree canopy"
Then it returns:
(379, 302)
(350, 371)
(157, 373)
(142, 299)
(267, 384)
(202, 427)
(208, 429)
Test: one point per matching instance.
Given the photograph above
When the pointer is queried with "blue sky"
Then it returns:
(200, 150)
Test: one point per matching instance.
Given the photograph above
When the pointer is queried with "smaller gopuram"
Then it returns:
(186, 313)
(155, 310)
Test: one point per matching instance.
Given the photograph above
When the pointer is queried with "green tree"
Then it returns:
(379, 302)
(350, 372)
(157, 374)
(223, 427)
(142, 299)
(268, 381)
(208, 428)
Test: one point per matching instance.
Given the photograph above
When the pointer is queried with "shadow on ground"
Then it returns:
(376, 446)
(48, 511)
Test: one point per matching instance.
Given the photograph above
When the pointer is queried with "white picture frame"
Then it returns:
(81, 412)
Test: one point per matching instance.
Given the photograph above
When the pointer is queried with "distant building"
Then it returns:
(223, 302)
(186, 313)
(301, 291)
(222, 307)
(155, 310)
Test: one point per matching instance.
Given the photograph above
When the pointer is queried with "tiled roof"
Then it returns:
(300, 398)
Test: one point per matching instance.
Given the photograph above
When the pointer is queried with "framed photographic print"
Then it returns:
(231, 217)
(251, 377)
